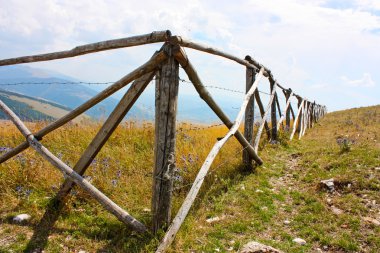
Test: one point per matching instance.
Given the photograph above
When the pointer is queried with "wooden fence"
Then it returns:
(164, 66)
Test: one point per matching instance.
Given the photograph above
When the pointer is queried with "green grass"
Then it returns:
(252, 206)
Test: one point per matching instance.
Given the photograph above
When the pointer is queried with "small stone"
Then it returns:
(147, 210)
(329, 184)
(328, 200)
(242, 188)
(255, 247)
(286, 222)
(21, 217)
(336, 210)
(299, 241)
(82, 251)
(325, 247)
(377, 168)
(372, 220)
(214, 219)
(259, 191)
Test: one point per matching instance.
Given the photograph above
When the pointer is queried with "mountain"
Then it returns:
(32, 109)
(55, 87)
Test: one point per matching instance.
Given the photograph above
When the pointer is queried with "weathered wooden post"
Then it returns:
(249, 118)
(300, 117)
(167, 82)
(287, 120)
(273, 116)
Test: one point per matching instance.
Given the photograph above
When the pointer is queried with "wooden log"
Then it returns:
(206, 96)
(150, 66)
(184, 210)
(166, 111)
(303, 120)
(287, 110)
(106, 131)
(278, 107)
(274, 136)
(292, 111)
(248, 61)
(153, 37)
(107, 203)
(261, 127)
(297, 119)
(262, 113)
(299, 125)
(288, 95)
(249, 118)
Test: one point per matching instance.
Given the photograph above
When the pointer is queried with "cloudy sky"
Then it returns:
(328, 51)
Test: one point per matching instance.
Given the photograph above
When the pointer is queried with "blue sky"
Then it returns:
(328, 51)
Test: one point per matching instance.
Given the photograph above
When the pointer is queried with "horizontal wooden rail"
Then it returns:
(149, 38)
(107, 203)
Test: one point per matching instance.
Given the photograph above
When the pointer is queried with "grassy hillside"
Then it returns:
(250, 206)
(34, 109)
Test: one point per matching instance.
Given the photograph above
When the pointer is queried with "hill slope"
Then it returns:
(34, 109)
(250, 206)
(57, 88)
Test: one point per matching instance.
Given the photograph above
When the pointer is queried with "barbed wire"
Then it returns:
(213, 170)
(48, 83)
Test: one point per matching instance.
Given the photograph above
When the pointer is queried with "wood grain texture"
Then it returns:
(249, 118)
(184, 210)
(153, 37)
(166, 111)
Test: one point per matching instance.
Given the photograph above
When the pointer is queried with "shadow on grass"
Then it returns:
(118, 236)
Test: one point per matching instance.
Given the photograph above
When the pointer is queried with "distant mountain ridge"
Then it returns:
(56, 88)
(60, 90)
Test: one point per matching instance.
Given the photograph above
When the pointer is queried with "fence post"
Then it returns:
(287, 120)
(273, 113)
(249, 118)
(167, 82)
(300, 117)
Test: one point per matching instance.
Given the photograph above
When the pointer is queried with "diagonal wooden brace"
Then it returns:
(107, 129)
(149, 66)
(107, 203)
(181, 57)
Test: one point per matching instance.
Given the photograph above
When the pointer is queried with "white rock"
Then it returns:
(372, 220)
(336, 210)
(214, 219)
(286, 222)
(259, 191)
(255, 247)
(82, 251)
(299, 241)
(242, 188)
(328, 183)
(21, 217)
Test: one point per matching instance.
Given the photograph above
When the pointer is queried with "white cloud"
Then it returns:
(365, 81)
(303, 42)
